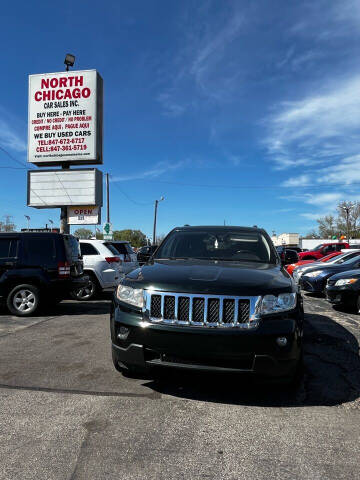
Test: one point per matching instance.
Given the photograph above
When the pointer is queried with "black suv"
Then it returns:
(38, 268)
(211, 298)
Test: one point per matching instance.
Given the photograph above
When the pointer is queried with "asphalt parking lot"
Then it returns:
(67, 414)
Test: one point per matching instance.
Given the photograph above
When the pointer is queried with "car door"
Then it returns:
(8, 256)
(89, 254)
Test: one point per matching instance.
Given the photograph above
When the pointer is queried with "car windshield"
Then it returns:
(217, 244)
(317, 248)
(351, 258)
(345, 257)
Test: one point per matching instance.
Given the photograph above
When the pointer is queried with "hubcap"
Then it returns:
(24, 300)
(86, 292)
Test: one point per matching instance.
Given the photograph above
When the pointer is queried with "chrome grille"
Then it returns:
(201, 310)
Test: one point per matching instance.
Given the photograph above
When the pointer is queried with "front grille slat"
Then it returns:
(201, 310)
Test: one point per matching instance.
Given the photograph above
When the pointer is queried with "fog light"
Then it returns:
(123, 333)
(281, 341)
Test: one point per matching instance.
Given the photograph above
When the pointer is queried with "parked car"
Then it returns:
(322, 250)
(214, 299)
(299, 271)
(103, 266)
(127, 255)
(145, 253)
(290, 268)
(344, 288)
(314, 280)
(287, 255)
(38, 269)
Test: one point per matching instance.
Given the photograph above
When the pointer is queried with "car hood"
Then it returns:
(347, 274)
(330, 269)
(211, 277)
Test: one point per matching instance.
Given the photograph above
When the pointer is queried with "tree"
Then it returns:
(83, 233)
(326, 226)
(312, 234)
(136, 237)
(8, 225)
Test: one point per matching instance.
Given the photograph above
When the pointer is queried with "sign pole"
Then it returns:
(64, 226)
(107, 199)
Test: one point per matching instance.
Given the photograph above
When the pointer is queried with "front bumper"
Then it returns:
(312, 284)
(341, 295)
(146, 345)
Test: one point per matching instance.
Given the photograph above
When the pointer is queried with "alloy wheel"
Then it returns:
(24, 301)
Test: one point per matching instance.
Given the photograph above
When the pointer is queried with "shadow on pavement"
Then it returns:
(331, 377)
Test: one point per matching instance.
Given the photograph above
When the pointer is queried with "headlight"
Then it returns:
(133, 296)
(314, 274)
(279, 303)
(346, 281)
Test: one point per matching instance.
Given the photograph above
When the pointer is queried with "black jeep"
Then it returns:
(211, 298)
(38, 269)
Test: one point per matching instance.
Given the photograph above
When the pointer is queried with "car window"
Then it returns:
(128, 248)
(41, 250)
(88, 249)
(217, 244)
(119, 247)
(8, 248)
(72, 247)
(112, 249)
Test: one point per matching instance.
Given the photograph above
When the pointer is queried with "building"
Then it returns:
(289, 239)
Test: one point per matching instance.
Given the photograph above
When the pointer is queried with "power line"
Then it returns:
(19, 162)
(262, 187)
(142, 204)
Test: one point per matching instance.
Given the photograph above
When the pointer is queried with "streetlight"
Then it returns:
(155, 215)
(28, 221)
(69, 61)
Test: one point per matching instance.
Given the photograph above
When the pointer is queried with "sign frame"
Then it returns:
(98, 186)
(75, 159)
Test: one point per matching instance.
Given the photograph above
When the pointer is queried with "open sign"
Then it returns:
(84, 215)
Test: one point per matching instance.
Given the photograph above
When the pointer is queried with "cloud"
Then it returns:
(318, 129)
(203, 70)
(10, 136)
(156, 171)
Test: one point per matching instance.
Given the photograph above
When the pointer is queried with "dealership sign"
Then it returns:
(58, 188)
(65, 118)
(83, 215)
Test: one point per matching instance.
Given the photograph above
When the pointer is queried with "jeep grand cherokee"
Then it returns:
(211, 298)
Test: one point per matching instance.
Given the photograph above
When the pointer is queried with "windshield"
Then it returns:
(217, 244)
(345, 257)
(351, 258)
(317, 248)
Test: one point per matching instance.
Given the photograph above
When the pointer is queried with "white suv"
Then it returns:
(127, 255)
(102, 264)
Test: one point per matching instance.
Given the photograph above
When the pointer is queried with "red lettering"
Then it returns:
(44, 83)
(76, 93)
(67, 93)
(86, 92)
(37, 96)
(54, 82)
(62, 82)
(79, 81)
(59, 94)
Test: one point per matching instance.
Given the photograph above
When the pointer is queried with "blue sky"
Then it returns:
(243, 111)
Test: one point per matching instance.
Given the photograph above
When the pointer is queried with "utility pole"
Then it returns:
(107, 199)
(155, 218)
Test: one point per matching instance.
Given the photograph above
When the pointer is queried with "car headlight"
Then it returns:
(345, 281)
(278, 303)
(133, 296)
(314, 274)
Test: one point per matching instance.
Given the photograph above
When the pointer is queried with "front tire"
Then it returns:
(23, 300)
(86, 293)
